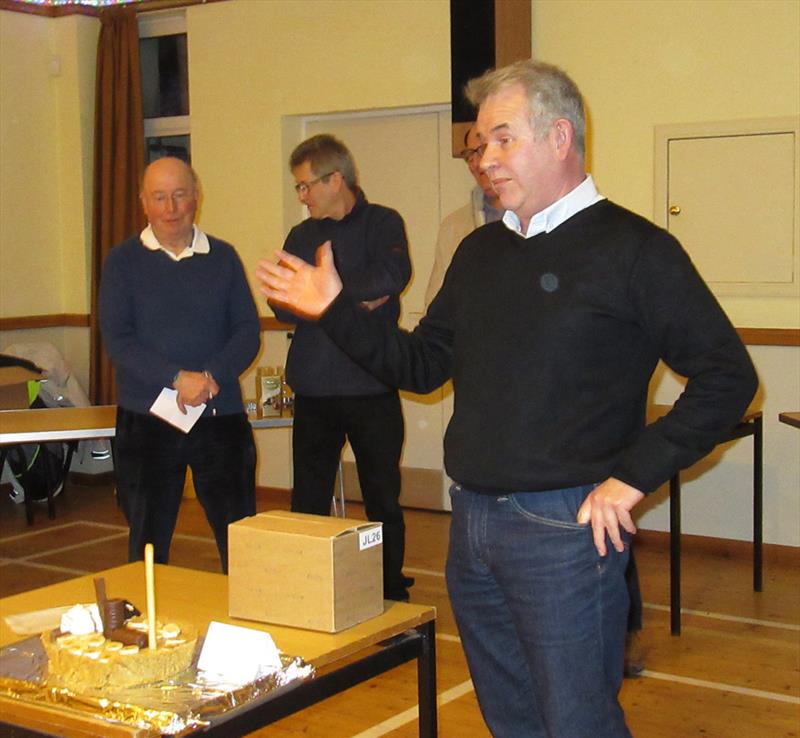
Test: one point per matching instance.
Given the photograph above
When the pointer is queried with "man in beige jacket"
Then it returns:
(484, 207)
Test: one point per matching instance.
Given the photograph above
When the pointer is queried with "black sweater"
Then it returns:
(551, 343)
(371, 254)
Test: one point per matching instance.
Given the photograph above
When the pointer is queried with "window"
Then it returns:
(165, 85)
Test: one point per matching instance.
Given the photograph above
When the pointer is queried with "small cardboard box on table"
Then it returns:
(305, 571)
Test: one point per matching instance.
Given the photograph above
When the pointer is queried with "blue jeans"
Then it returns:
(541, 614)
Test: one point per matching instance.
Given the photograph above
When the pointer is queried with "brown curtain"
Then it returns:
(118, 166)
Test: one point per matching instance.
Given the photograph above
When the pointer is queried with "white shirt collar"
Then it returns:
(584, 195)
(199, 244)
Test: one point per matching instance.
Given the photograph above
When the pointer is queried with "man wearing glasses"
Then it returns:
(484, 207)
(335, 399)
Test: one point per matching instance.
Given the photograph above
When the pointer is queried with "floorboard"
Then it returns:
(734, 671)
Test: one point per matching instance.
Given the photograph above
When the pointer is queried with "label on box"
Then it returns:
(370, 538)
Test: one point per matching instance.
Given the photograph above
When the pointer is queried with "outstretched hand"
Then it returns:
(295, 284)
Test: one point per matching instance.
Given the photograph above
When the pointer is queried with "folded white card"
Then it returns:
(166, 408)
(236, 655)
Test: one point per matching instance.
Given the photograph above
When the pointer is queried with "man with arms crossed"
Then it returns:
(551, 324)
(335, 399)
(176, 311)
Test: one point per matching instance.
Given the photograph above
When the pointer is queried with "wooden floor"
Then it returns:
(733, 672)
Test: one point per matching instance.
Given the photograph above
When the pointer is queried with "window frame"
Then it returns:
(152, 25)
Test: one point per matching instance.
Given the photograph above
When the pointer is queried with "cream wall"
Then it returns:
(47, 93)
(76, 51)
(253, 62)
(47, 69)
(29, 197)
(642, 64)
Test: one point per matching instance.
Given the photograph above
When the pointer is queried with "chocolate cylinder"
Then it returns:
(114, 615)
(128, 637)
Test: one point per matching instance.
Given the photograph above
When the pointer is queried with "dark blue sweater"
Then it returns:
(159, 316)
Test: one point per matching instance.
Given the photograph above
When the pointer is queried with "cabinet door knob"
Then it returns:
(675, 210)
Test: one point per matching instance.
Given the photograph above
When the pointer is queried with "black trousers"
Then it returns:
(374, 426)
(150, 460)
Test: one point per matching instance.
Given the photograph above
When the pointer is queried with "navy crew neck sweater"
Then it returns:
(159, 316)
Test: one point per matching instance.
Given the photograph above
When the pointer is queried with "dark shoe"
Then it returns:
(634, 655)
(399, 593)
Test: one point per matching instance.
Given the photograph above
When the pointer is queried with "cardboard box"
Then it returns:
(14, 387)
(306, 571)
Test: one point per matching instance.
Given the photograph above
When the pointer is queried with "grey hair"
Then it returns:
(551, 95)
(326, 154)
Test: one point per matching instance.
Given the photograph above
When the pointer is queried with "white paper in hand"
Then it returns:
(166, 408)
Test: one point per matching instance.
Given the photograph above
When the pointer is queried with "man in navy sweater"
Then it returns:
(551, 323)
(176, 311)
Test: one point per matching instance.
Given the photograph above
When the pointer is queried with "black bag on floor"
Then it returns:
(35, 466)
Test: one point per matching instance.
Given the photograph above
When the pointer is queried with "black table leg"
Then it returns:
(675, 554)
(426, 681)
(49, 484)
(758, 501)
(752, 425)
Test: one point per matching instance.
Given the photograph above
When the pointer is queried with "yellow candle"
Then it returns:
(151, 595)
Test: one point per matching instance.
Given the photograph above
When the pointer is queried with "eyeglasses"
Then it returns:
(469, 154)
(302, 188)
